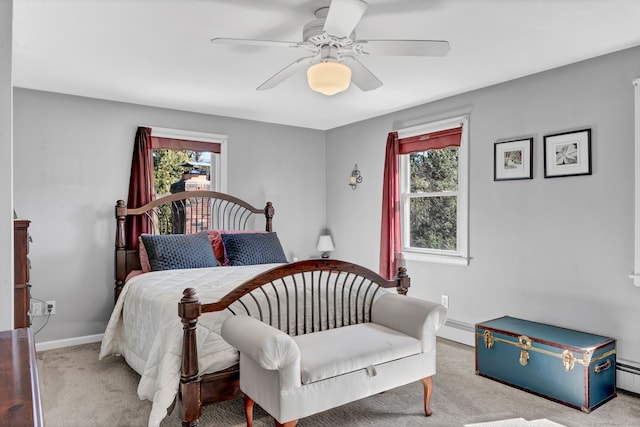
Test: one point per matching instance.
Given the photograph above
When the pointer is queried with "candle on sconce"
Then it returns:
(355, 177)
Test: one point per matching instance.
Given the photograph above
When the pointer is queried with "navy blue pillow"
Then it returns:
(253, 248)
(175, 251)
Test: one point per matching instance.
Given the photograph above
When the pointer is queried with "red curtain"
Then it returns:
(390, 239)
(431, 141)
(140, 185)
(390, 233)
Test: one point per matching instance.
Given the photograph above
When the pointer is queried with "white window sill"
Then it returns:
(440, 259)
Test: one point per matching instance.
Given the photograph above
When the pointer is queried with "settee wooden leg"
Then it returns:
(428, 388)
(248, 410)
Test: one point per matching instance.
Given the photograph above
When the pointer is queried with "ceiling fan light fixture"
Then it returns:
(329, 77)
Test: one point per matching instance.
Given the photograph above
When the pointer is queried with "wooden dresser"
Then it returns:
(21, 266)
(19, 389)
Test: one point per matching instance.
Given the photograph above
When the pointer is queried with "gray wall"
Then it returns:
(553, 250)
(6, 198)
(72, 161)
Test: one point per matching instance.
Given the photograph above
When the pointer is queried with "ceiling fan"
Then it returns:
(334, 49)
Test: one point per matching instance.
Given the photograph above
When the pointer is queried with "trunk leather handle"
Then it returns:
(602, 367)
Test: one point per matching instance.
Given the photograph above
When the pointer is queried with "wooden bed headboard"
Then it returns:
(182, 213)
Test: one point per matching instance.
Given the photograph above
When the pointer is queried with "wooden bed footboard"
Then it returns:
(334, 293)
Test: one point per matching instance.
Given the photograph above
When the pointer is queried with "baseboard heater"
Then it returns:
(628, 368)
(628, 375)
(463, 326)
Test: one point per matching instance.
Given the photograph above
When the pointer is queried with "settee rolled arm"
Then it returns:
(269, 347)
(266, 346)
(416, 317)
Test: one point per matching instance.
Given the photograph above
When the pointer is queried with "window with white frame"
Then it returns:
(171, 166)
(180, 153)
(434, 191)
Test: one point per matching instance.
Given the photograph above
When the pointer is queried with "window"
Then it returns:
(180, 170)
(141, 186)
(187, 161)
(434, 191)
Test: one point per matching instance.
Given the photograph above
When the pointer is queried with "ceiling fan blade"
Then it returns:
(402, 47)
(343, 17)
(287, 71)
(252, 42)
(360, 75)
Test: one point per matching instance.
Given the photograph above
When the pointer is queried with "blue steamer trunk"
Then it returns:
(574, 368)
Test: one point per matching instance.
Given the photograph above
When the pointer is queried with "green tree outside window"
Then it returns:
(433, 183)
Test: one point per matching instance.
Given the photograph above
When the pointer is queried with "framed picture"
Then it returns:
(567, 154)
(513, 160)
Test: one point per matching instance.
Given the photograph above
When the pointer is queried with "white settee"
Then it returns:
(294, 377)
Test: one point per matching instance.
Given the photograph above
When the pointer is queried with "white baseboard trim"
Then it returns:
(627, 371)
(68, 342)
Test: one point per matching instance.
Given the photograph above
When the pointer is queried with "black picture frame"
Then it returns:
(513, 160)
(567, 154)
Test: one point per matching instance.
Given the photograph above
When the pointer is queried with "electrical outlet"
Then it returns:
(36, 308)
(50, 308)
(444, 300)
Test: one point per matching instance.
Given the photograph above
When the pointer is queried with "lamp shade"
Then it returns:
(325, 244)
(329, 77)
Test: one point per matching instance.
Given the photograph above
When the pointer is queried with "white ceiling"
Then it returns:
(158, 53)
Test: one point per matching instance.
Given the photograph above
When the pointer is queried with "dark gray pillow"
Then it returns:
(175, 251)
(251, 249)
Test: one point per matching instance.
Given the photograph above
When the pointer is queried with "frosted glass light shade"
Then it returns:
(329, 78)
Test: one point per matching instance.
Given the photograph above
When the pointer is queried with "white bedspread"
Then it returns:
(145, 328)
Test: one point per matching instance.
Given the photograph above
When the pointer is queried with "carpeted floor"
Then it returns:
(79, 390)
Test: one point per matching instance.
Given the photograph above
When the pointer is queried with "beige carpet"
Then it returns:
(79, 390)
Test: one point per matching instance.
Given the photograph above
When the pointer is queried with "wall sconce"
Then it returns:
(325, 245)
(355, 177)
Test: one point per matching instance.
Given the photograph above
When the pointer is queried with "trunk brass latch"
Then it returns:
(488, 339)
(568, 360)
(525, 344)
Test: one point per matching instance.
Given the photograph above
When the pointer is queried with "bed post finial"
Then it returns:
(403, 281)
(268, 214)
(121, 254)
(189, 394)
